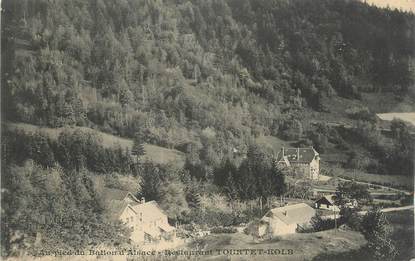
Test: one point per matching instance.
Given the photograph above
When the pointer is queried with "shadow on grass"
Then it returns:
(355, 255)
(211, 242)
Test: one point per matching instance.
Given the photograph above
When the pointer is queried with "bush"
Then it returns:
(319, 224)
(210, 217)
(361, 114)
(226, 230)
(351, 218)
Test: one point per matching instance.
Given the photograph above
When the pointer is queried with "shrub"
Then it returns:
(227, 230)
(361, 114)
(351, 218)
(209, 217)
(320, 224)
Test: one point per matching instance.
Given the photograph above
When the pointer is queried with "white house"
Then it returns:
(285, 220)
(306, 161)
(146, 220)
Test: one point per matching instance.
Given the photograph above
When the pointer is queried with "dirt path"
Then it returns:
(384, 210)
(381, 186)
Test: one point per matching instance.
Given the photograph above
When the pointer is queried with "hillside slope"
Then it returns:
(153, 153)
(206, 77)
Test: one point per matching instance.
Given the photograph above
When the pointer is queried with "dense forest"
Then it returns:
(205, 77)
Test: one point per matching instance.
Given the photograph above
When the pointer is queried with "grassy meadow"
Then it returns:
(304, 245)
(153, 153)
(395, 181)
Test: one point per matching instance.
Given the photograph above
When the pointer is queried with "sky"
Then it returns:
(407, 5)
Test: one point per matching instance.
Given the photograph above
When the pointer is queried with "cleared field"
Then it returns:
(395, 181)
(272, 143)
(107, 140)
(162, 155)
(304, 246)
(405, 116)
(154, 153)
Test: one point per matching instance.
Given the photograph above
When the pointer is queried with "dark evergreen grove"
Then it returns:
(205, 77)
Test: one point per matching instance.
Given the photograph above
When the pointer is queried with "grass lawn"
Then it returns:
(304, 246)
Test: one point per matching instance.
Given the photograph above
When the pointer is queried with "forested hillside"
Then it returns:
(205, 77)
(174, 72)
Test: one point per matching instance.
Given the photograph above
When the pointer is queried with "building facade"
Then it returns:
(304, 161)
(285, 220)
(146, 220)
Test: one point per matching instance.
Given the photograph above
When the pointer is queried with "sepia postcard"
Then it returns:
(207, 130)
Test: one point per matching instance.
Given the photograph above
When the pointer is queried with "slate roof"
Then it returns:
(292, 214)
(115, 203)
(115, 208)
(151, 208)
(297, 155)
(117, 194)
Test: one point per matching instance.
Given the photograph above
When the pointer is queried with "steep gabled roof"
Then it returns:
(117, 194)
(297, 155)
(115, 208)
(327, 198)
(292, 214)
(115, 205)
(151, 208)
(115, 202)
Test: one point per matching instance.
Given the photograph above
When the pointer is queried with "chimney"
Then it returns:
(143, 200)
(284, 212)
(298, 154)
(283, 152)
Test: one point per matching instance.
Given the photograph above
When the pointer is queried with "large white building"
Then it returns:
(305, 161)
